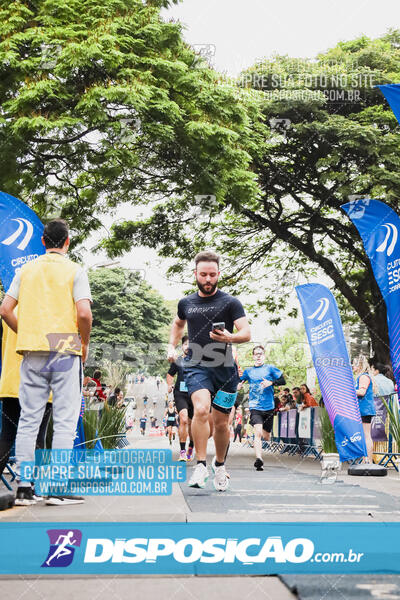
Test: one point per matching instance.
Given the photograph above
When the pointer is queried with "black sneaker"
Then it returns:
(64, 500)
(24, 497)
(259, 465)
(36, 495)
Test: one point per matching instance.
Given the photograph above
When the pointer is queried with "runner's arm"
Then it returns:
(243, 331)
(170, 382)
(177, 329)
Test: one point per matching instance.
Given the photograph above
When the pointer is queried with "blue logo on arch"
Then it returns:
(63, 543)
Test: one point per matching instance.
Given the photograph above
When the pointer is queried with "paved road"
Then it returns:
(279, 493)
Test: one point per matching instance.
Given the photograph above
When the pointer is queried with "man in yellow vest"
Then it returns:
(53, 330)
(10, 407)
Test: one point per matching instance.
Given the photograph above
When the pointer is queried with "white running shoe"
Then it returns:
(221, 479)
(199, 476)
(214, 467)
(64, 500)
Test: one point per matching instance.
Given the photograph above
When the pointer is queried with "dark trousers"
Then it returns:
(238, 432)
(9, 424)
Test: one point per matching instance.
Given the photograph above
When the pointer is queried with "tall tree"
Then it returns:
(321, 133)
(104, 103)
(129, 319)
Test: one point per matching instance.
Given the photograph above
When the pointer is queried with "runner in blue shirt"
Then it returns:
(261, 380)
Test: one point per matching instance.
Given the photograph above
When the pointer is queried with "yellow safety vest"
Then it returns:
(46, 309)
(10, 364)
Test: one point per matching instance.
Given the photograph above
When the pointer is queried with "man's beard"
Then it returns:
(208, 291)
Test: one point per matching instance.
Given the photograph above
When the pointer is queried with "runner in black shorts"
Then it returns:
(211, 373)
(170, 414)
(183, 402)
(261, 378)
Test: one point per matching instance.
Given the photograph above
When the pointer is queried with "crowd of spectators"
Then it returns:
(299, 398)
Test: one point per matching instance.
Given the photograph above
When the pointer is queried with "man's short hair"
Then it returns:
(55, 233)
(259, 346)
(206, 256)
(185, 339)
(117, 391)
(97, 374)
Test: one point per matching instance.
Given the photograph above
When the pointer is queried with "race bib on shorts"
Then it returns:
(224, 399)
(183, 387)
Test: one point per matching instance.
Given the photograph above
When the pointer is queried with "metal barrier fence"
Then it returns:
(297, 432)
(386, 451)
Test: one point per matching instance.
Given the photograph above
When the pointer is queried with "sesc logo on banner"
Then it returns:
(19, 233)
(20, 241)
(391, 232)
(323, 331)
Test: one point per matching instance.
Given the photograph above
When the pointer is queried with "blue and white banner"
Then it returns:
(21, 231)
(379, 227)
(198, 548)
(332, 364)
(391, 91)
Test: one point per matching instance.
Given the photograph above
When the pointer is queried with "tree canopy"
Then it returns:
(321, 134)
(104, 103)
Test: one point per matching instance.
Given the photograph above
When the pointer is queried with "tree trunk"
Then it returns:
(378, 331)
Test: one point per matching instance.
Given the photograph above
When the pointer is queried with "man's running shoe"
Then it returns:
(182, 456)
(259, 465)
(199, 476)
(64, 500)
(221, 479)
(36, 495)
(214, 467)
(24, 497)
(189, 454)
